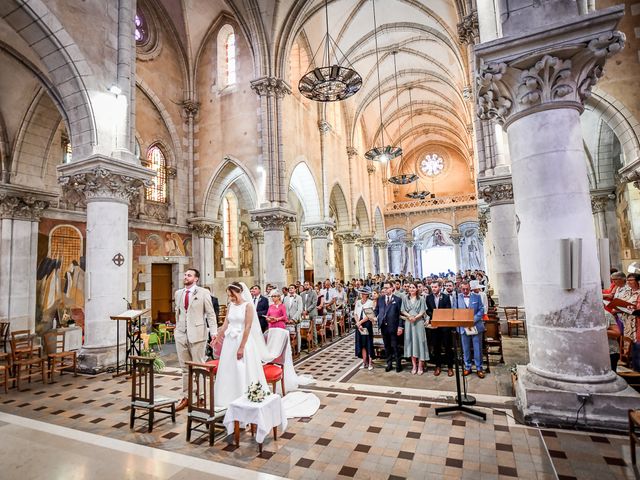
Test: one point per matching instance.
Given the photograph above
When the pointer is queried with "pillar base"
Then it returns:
(542, 402)
(94, 360)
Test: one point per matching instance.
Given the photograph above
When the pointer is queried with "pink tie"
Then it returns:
(186, 300)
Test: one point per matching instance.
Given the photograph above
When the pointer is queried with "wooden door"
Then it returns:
(161, 289)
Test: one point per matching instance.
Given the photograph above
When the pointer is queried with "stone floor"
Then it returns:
(372, 425)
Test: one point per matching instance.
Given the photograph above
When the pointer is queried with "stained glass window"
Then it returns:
(141, 28)
(156, 162)
(432, 164)
(67, 151)
(230, 50)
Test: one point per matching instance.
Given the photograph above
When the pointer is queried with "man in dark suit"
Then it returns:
(216, 308)
(262, 306)
(391, 325)
(441, 336)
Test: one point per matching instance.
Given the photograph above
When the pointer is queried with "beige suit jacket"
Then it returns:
(200, 306)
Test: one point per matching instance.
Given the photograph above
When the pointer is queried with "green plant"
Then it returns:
(158, 363)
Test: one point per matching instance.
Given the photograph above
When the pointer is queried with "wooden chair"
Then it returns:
(340, 321)
(274, 371)
(321, 332)
(4, 335)
(634, 438)
(5, 371)
(143, 393)
(307, 334)
(513, 320)
(58, 358)
(492, 341)
(25, 359)
(201, 408)
(626, 344)
(293, 340)
(19, 336)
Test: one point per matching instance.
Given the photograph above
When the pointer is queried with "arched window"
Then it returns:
(65, 244)
(141, 31)
(230, 227)
(67, 151)
(157, 192)
(227, 65)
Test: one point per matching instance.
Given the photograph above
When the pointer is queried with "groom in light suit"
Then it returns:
(192, 305)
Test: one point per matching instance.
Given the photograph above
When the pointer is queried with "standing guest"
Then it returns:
(193, 304)
(397, 288)
(310, 308)
(277, 313)
(630, 322)
(618, 281)
(262, 306)
(450, 291)
(472, 335)
(293, 305)
(415, 340)
(329, 296)
(391, 325)
(441, 335)
(613, 336)
(478, 289)
(317, 289)
(341, 295)
(364, 329)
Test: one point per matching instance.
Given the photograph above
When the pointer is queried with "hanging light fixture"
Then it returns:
(386, 152)
(417, 194)
(332, 82)
(404, 179)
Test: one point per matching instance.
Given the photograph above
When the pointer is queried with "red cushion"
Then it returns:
(215, 364)
(273, 373)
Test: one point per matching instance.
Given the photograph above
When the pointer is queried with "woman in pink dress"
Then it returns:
(277, 313)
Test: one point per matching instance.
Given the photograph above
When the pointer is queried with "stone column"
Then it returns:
(172, 173)
(191, 108)
(507, 279)
(257, 242)
(456, 238)
(411, 257)
(298, 254)
(271, 91)
(535, 85)
(273, 221)
(107, 185)
(395, 257)
(599, 201)
(20, 210)
(319, 234)
(349, 255)
(383, 256)
(367, 247)
(204, 231)
(417, 248)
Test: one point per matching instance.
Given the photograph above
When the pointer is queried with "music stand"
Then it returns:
(456, 317)
(133, 341)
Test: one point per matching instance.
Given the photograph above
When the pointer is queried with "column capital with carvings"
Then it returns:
(600, 199)
(273, 218)
(455, 236)
(381, 244)
(348, 237)
(631, 173)
(23, 203)
(545, 69)
(191, 107)
(270, 87)
(204, 227)
(484, 217)
(257, 235)
(366, 241)
(102, 178)
(352, 152)
(395, 246)
(496, 190)
(468, 29)
(319, 230)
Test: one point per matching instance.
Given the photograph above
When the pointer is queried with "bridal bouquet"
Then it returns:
(255, 393)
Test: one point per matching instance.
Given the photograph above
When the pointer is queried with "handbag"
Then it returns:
(363, 331)
(471, 331)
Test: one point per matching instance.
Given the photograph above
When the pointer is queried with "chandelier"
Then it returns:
(334, 81)
(386, 152)
(404, 179)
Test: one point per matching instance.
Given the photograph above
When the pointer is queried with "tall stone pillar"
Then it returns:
(107, 185)
(411, 257)
(367, 247)
(507, 279)
(319, 234)
(383, 256)
(204, 230)
(298, 255)
(535, 85)
(599, 202)
(456, 238)
(349, 255)
(273, 221)
(257, 243)
(395, 257)
(20, 210)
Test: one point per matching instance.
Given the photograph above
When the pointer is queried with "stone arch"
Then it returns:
(229, 175)
(40, 28)
(303, 185)
(620, 120)
(378, 220)
(362, 217)
(338, 202)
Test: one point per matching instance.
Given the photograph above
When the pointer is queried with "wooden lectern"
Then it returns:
(134, 340)
(456, 317)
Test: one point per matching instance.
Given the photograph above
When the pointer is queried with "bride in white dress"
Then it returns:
(241, 354)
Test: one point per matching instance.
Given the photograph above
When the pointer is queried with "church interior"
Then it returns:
(277, 143)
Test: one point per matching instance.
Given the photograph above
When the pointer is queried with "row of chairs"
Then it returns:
(334, 324)
(27, 361)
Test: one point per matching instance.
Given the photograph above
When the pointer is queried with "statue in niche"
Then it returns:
(288, 250)
(473, 254)
(337, 250)
(218, 251)
(246, 251)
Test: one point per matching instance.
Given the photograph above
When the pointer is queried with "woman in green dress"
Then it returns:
(415, 338)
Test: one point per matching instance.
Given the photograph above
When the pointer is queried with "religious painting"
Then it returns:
(60, 276)
(438, 238)
(155, 246)
(471, 248)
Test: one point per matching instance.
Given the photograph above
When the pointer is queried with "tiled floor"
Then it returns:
(353, 435)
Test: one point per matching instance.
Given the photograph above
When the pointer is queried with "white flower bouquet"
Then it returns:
(255, 393)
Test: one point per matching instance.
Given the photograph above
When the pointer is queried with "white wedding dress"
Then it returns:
(234, 376)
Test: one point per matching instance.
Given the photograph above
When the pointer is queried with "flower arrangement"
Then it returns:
(158, 363)
(255, 393)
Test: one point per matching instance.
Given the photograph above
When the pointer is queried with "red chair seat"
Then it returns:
(272, 373)
(215, 364)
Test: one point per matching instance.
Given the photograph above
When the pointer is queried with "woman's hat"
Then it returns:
(365, 290)
(475, 284)
(275, 293)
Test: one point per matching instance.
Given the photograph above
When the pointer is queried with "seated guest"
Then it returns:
(277, 313)
(364, 329)
(472, 335)
(262, 306)
(413, 311)
(293, 305)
